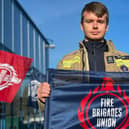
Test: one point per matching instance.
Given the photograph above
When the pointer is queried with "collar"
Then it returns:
(100, 45)
(110, 45)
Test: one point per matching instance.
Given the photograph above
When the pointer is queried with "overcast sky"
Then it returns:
(59, 21)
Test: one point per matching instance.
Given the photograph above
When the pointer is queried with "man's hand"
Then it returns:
(43, 91)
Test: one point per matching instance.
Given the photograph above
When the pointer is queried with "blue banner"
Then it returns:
(87, 100)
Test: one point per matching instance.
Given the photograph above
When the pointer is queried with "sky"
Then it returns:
(59, 21)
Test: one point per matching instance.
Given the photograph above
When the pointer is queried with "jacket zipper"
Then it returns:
(94, 54)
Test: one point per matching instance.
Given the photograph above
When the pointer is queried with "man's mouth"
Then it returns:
(95, 33)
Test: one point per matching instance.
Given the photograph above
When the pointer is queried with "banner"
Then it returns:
(13, 69)
(87, 100)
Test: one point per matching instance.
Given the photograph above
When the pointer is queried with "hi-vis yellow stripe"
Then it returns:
(121, 62)
(68, 63)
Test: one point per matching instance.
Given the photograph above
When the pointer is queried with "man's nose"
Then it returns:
(95, 25)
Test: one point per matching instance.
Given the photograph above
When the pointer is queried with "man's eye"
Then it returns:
(88, 21)
(101, 21)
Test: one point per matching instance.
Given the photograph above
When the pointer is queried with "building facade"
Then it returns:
(20, 35)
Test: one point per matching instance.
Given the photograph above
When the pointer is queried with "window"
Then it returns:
(46, 57)
(41, 55)
(7, 24)
(37, 49)
(31, 42)
(17, 30)
(24, 34)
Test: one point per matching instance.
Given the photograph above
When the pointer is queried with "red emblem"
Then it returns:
(105, 110)
(13, 69)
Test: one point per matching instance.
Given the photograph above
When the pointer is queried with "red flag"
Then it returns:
(13, 69)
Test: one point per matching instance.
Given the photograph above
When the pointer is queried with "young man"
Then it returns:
(95, 53)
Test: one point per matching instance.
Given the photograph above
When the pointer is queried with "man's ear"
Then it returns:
(107, 28)
(81, 27)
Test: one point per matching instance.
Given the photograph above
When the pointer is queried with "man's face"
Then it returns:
(94, 27)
